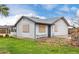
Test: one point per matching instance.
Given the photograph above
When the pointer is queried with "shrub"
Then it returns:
(6, 35)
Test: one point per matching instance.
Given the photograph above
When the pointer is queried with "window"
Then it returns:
(26, 28)
(55, 28)
(42, 28)
(3, 30)
(12, 29)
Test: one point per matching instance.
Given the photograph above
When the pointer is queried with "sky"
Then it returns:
(43, 11)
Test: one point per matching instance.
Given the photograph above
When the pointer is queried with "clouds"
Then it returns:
(11, 20)
(77, 13)
(23, 11)
(16, 11)
(8, 20)
(41, 17)
(49, 6)
(42, 11)
(19, 9)
(74, 8)
(65, 8)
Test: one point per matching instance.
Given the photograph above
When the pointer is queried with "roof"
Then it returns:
(43, 21)
(5, 26)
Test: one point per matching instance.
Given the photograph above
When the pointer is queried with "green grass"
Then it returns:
(28, 46)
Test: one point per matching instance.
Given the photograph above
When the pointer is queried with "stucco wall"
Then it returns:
(61, 27)
(20, 33)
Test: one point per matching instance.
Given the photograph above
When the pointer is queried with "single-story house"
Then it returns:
(6, 30)
(34, 27)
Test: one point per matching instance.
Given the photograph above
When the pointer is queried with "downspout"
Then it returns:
(53, 30)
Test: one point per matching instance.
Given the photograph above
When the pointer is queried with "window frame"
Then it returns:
(25, 28)
(42, 28)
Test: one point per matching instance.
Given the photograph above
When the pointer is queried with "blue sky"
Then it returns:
(45, 10)
(41, 10)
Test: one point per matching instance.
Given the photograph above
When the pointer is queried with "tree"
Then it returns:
(4, 10)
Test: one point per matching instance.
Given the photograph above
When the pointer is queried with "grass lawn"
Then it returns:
(28, 46)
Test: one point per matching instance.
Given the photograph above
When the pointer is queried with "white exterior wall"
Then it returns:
(12, 34)
(19, 29)
(62, 29)
(45, 34)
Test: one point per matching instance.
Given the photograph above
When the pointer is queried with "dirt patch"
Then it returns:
(53, 41)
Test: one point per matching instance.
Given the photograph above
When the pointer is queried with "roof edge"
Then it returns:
(65, 20)
(22, 18)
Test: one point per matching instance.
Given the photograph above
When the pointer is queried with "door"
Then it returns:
(49, 30)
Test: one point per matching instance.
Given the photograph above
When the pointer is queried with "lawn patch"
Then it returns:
(30, 46)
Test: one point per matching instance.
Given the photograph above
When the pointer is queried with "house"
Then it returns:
(7, 30)
(4, 30)
(34, 27)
